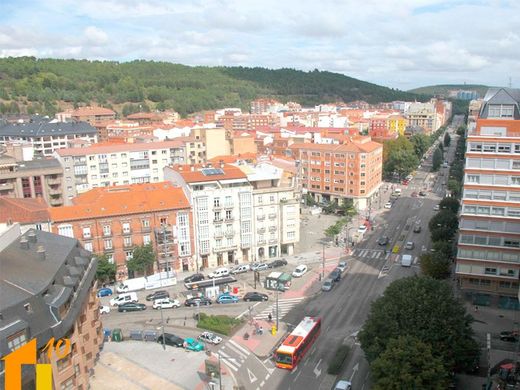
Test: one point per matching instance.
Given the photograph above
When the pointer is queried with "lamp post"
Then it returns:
(162, 329)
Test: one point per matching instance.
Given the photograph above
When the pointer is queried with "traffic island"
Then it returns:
(222, 324)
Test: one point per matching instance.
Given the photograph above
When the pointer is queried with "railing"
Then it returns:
(127, 231)
(261, 242)
(272, 216)
(272, 228)
(260, 230)
(273, 241)
(260, 217)
(219, 234)
(225, 248)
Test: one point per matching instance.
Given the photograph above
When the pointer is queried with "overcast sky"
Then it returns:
(396, 43)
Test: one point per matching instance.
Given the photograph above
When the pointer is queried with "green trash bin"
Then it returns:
(117, 335)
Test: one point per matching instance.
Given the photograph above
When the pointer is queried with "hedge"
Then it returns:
(336, 363)
(220, 323)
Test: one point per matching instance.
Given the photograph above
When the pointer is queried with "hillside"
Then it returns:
(32, 85)
(443, 90)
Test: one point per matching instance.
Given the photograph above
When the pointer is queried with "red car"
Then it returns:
(414, 194)
(405, 182)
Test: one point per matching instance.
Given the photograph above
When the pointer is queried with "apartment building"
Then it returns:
(27, 213)
(276, 211)
(222, 204)
(93, 114)
(47, 137)
(265, 105)
(40, 178)
(49, 291)
(215, 140)
(114, 220)
(332, 172)
(104, 165)
(488, 256)
(195, 149)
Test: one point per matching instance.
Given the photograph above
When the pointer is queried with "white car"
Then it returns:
(104, 309)
(211, 338)
(219, 273)
(259, 267)
(436, 207)
(388, 205)
(165, 303)
(343, 385)
(362, 229)
(240, 269)
(409, 245)
(342, 266)
(299, 271)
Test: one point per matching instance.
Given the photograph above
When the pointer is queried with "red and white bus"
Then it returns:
(291, 351)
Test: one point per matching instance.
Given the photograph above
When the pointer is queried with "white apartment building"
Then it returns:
(106, 165)
(222, 207)
(276, 211)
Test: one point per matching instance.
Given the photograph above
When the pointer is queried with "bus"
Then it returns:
(293, 348)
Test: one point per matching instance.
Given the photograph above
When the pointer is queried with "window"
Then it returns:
(107, 231)
(291, 235)
(146, 223)
(515, 180)
(16, 340)
(88, 246)
(146, 239)
(86, 232)
(126, 227)
(127, 241)
(216, 202)
(66, 230)
(490, 271)
(108, 244)
(473, 179)
(128, 255)
(229, 214)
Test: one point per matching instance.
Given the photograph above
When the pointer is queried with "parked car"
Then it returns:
(342, 266)
(388, 205)
(124, 298)
(104, 309)
(327, 284)
(436, 207)
(218, 273)
(509, 336)
(414, 194)
(343, 385)
(383, 240)
(422, 193)
(209, 337)
(171, 339)
(417, 228)
(299, 271)
(193, 345)
(131, 306)
(405, 182)
(158, 295)
(227, 298)
(201, 301)
(409, 245)
(362, 229)
(166, 303)
(335, 275)
(194, 278)
(240, 269)
(259, 267)
(255, 296)
(104, 292)
(277, 263)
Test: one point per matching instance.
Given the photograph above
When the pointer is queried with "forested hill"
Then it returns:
(33, 85)
(444, 89)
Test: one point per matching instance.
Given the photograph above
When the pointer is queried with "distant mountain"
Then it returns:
(33, 85)
(443, 90)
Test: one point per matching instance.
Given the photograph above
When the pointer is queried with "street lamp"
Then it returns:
(219, 358)
(162, 329)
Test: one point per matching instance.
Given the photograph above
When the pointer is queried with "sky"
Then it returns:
(396, 43)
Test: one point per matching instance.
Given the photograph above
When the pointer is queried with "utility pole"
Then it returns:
(162, 329)
(165, 253)
(323, 262)
(277, 293)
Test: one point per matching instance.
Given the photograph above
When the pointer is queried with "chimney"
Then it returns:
(24, 244)
(41, 252)
(31, 236)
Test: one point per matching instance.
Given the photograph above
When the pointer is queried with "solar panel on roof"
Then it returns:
(212, 171)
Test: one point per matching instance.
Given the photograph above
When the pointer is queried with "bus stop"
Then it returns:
(278, 281)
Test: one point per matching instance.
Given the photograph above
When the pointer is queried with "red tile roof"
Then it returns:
(234, 158)
(87, 111)
(193, 173)
(24, 211)
(111, 147)
(122, 200)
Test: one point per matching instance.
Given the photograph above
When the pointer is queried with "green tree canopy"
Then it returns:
(436, 159)
(443, 225)
(451, 204)
(142, 259)
(399, 157)
(447, 139)
(106, 271)
(421, 143)
(426, 309)
(408, 363)
(435, 265)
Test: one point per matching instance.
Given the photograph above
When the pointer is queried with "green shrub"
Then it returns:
(336, 363)
(220, 323)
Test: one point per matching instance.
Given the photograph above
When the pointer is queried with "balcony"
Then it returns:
(127, 244)
(127, 231)
(260, 230)
(245, 245)
(56, 201)
(230, 233)
(107, 234)
(7, 186)
(273, 241)
(218, 220)
(53, 180)
(260, 217)
(228, 205)
(272, 228)
(225, 248)
(87, 236)
(217, 207)
(146, 229)
(261, 242)
(230, 219)
(219, 234)
(54, 191)
(272, 216)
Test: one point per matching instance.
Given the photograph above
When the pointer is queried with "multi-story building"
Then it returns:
(28, 213)
(114, 220)
(423, 115)
(276, 211)
(47, 137)
(265, 105)
(488, 256)
(93, 114)
(222, 202)
(41, 178)
(49, 291)
(397, 124)
(214, 139)
(332, 172)
(195, 149)
(109, 164)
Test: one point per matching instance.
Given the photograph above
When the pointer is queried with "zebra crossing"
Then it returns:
(233, 354)
(284, 306)
(371, 254)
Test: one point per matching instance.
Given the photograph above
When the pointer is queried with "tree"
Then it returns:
(420, 142)
(436, 159)
(434, 265)
(447, 139)
(408, 363)
(399, 157)
(106, 271)
(451, 204)
(142, 259)
(426, 309)
(454, 187)
(443, 225)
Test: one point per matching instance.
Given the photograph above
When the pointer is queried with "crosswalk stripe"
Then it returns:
(236, 345)
(364, 253)
(375, 254)
(229, 361)
(235, 350)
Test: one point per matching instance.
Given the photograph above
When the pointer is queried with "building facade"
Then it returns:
(115, 220)
(488, 256)
(41, 178)
(92, 114)
(108, 164)
(49, 291)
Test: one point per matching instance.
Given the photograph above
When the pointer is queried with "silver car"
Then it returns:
(327, 284)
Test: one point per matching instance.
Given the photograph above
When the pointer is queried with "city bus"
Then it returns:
(293, 348)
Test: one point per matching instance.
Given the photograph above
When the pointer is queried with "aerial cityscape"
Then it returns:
(217, 195)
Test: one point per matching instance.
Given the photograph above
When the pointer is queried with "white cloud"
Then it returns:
(95, 36)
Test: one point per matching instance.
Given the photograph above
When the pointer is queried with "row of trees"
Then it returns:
(164, 85)
(416, 335)
(143, 258)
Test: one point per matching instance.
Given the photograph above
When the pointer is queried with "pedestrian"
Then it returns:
(269, 317)
(476, 308)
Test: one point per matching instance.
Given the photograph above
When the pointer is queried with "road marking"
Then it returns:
(297, 375)
(376, 254)
(387, 256)
(252, 377)
(228, 361)
(354, 370)
(241, 354)
(262, 383)
(363, 253)
(317, 371)
(247, 311)
(236, 345)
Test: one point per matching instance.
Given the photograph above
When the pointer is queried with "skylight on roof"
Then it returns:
(212, 171)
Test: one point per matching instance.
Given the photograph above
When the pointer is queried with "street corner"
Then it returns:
(259, 344)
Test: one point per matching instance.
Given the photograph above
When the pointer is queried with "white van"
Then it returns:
(240, 269)
(218, 273)
(397, 192)
(124, 298)
(406, 260)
